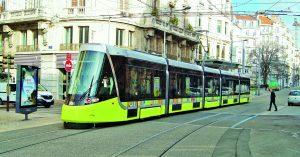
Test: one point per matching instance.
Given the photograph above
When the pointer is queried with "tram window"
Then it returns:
(209, 86)
(195, 86)
(106, 83)
(120, 71)
(133, 82)
(145, 83)
(245, 87)
(212, 86)
(158, 84)
(175, 85)
(228, 87)
(225, 87)
(236, 87)
(187, 86)
(216, 87)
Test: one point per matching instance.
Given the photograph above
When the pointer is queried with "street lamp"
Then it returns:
(243, 56)
(205, 50)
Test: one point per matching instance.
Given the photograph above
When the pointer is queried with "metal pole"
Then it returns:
(243, 58)
(259, 73)
(205, 51)
(165, 53)
(7, 86)
(67, 85)
(108, 32)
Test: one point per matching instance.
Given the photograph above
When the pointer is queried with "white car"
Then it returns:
(45, 97)
(294, 97)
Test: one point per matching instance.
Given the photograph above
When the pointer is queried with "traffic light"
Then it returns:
(8, 60)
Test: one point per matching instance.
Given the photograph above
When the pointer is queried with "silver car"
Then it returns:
(294, 97)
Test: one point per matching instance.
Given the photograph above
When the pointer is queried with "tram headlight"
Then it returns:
(95, 100)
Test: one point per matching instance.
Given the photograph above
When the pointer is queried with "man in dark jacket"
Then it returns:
(273, 96)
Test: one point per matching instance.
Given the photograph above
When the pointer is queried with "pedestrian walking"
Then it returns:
(273, 96)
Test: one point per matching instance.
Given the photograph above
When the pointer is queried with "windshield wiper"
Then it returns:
(88, 91)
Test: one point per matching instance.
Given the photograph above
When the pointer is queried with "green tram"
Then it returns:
(111, 84)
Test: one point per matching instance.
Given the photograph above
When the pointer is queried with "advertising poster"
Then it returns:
(156, 86)
(29, 80)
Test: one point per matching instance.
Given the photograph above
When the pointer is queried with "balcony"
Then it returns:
(172, 56)
(171, 29)
(69, 47)
(24, 15)
(27, 48)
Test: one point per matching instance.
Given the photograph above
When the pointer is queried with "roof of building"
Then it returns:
(245, 17)
(265, 20)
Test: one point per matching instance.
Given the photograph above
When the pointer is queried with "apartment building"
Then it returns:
(42, 32)
(213, 20)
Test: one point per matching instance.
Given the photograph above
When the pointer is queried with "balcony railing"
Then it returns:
(71, 47)
(27, 48)
(76, 11)
(172, 56)
(166, 26)
(185, 59)
(23, 14)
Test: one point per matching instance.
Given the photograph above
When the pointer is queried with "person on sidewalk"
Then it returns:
(273, 96)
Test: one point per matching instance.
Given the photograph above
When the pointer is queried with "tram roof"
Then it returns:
(211, 70)
(224, 72)
(245, 75)
(184, 65)
(136, 54)
(116, 51)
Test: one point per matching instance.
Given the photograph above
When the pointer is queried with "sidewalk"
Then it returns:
(13, 121)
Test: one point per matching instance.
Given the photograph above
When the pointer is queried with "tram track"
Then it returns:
(40, 142)
(167, 149)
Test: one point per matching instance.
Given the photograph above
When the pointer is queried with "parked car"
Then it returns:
(294, 97)
(45, 98)
(287, 86)
(3, 95)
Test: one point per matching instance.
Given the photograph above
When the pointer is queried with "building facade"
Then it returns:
(41, 32)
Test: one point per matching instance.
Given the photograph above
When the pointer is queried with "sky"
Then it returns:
(291, 7)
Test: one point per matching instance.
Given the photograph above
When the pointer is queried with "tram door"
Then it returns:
(63, 83)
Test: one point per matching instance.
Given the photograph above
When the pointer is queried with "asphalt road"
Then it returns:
(242, 130)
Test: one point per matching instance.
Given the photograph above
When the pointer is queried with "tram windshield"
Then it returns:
(92, 80)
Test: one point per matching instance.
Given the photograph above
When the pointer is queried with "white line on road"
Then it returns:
(243, 121)
(155, 135)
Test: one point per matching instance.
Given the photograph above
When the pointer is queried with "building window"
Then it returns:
(83, 34)
(223, 52)
(208, 24)
(119, 37)
(35, 37)
(68, 35)
(76, 3)
(219, 26)
(123, 5)
(226, 28)
(199, 22)
(218, 52)
(130, 39)
(24, 37)
(30, 4)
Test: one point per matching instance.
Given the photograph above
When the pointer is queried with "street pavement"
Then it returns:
(43, 116)
(246, 130)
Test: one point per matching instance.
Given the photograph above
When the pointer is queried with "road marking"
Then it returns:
(14, 139)
(162, 132)
(243, 121)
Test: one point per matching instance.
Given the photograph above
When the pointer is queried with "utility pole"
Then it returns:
(8, 63)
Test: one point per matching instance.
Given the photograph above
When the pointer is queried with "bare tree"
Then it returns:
(269, 54)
